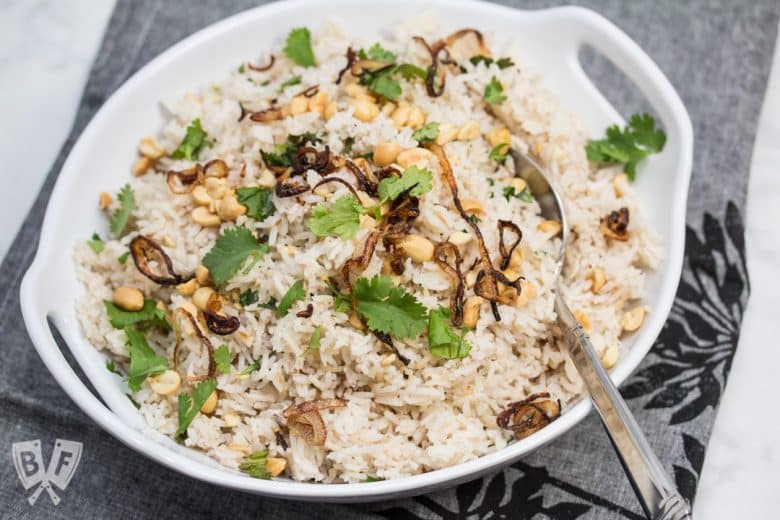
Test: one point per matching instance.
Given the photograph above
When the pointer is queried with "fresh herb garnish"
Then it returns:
(475, 219)
(222, 359)
(377, 53)
(502, 63)
(341, 302)
(388, 308)
(314, 341)
(383, 83)
(373, 479)
(427, 133)
(298, 47)
(122, 259)
(419, 180)
(295, 80)
(233, 247)
(284, 153)
(443, 341)
(494, 92)
(409, 71)
(149, 316)
(241, 69)
(259, 202)
(637, 140)
(270, 304)
(189, 406)
(255, 464)
(293, 294)
(255, 365)
(499, 153)
(525, 194)
(96, 243)
(133, 401)
(111, 367)
(349, 142)
(341, 218)
(195, 140)
(143, 360)
(118, 221)
(248, 297)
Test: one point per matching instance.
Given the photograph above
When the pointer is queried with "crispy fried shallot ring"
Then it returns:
(305, 421)
(263, 68)
(506, 254)
(454, 271)
(204, 341)
(187, 179)
(529, 415)
(143, 250)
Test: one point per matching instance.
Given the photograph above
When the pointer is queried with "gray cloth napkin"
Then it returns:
(717, 54)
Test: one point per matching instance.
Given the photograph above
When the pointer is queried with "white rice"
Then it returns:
(399, 420)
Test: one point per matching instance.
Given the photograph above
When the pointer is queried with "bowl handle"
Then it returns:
(585, 27)
(35, 312)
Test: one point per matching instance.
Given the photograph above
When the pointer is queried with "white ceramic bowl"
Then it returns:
(550, 43)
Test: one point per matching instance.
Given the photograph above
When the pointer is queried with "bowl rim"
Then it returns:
(35, 311)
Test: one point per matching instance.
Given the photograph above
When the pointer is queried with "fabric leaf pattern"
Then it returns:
(684, 373)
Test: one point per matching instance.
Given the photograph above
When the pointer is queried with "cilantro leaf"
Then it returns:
(284, 153)
(629, 146)
(189, 406)
(255, 365)
(259, 202)
(314, 341)
(499, 152)
(494, 92)
(383, 84)
(241, 69)
(341, 302)
(295, 80)
(409, 71)
(230, 252)
(298, 47)
(443, 341)
(389, 309)
(413, 177)
(111, 367)
(377, 53)
(349, 142)
(644, 132)
(427, 133)
(293, 294)
(270, 304)
(526, 195)
(118, 221)
(143, 361)
(96, 243)
(255, 465)
(341, 218)
(149, 315)
(195, 140)
(502, 63)
(248, 297)
(122, 259)
(222, 359)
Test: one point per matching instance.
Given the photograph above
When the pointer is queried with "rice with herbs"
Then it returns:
(397, 419)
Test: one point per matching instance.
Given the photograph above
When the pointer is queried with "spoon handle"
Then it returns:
(658, 496)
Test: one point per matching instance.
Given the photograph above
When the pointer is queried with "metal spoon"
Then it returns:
(658, 496)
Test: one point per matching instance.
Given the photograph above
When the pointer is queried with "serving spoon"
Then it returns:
(655, 491)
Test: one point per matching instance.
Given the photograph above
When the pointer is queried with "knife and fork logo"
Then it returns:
(28, 461)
